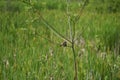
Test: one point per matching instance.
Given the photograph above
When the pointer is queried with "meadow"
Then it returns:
(29, 50)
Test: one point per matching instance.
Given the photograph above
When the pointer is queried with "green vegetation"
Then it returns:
(31, 51)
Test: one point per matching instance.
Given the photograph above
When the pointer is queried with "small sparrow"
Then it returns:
(64, 44)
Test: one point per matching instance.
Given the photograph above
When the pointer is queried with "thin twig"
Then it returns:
(74, 53)
(54, 30)
(72, 37)
(69, 19)
(48, 25)
(75, 62)
(81, 10)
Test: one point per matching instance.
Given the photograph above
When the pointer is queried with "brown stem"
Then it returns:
(75, 62)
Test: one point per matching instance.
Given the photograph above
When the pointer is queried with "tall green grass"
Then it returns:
(29, 51)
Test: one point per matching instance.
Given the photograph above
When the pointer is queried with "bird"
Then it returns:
(64, 44)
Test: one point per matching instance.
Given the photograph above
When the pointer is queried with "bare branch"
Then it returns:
(48, 25)
(81, 10)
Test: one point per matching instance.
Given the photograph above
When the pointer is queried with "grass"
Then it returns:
(30, 51)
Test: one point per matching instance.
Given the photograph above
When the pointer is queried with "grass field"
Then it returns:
(30, 51)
